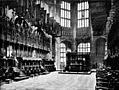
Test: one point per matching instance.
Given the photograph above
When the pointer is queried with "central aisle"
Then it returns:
(55, 81)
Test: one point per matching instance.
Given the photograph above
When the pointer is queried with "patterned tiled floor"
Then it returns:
(54, 81)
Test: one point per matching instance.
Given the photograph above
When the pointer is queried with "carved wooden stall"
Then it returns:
(26, 34)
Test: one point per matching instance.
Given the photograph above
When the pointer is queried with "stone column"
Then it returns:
(57, 42)
(57, 53)
(74, 24)
(50, 46)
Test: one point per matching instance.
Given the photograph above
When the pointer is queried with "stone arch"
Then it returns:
(68, 44)
(100, 51)
(65, 46)
(80, 41)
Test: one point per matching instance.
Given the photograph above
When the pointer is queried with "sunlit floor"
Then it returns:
(54, 81)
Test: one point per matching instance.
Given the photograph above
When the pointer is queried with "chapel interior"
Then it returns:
(59, 42)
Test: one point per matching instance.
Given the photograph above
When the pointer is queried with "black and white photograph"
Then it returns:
(59, 45)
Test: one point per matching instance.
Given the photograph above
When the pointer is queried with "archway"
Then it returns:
(62, 55)
(65, 47)
(101, 51)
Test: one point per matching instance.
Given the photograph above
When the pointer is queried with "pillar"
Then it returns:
(74, 24)
(57, 53)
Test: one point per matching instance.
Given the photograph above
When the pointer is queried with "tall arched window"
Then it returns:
(83, 14)
(84, 48)
(63, 53)
(65, 14)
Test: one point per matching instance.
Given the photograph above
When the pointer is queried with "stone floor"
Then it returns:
(54, 81)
